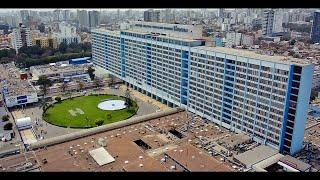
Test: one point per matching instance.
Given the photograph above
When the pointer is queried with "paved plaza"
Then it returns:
(45, 130)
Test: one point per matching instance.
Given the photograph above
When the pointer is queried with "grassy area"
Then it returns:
(59, 113)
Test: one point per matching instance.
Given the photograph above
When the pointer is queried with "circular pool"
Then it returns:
(112, 105)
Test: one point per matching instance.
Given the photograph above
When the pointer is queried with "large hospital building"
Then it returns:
(264, 96)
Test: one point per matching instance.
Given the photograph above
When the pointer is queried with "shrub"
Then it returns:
(99, 122)
(58, 99)
(131, 111)
(109, 116)
(8, 126)
(5, 118)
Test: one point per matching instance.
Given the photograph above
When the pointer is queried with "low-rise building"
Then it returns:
(60, 72)
(16, 91)
(45, 42)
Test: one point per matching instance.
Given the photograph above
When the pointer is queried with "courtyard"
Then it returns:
(83, 112)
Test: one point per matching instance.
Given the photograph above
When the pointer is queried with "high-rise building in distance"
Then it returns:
(94, 19)
(151, 16)
(315, 29)
(24, 14)
(83, 18)
(20, 37)
(67, 34)
(221, 13)
(272, 22)
(266, 97)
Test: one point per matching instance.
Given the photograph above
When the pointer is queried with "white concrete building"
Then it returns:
(175, 30)
(263, 96)
(67, 34)
(20, 37)
(16, 92)
(247, 40)
(233, 39)
(272, 22)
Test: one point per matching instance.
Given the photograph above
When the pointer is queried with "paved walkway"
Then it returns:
(145, 98)
(13, 143)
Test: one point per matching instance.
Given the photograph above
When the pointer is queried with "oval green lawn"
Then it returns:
(59, 114)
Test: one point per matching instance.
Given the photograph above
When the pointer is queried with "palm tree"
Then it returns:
(91, 73)
(44, 83)
(44, 106)
(111, 80)
(127, 95)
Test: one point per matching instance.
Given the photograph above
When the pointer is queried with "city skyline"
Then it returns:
(179, 90)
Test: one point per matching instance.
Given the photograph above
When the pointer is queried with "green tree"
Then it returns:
(313, 95)
(58, 99)
(5, 118)
(8, 126)
(43, 105)
(41, 27)
(128, 98)
(91, 73)
(44, 83)
(63, 47)
(292, 42)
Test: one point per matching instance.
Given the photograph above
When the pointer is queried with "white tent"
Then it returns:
(24, 123)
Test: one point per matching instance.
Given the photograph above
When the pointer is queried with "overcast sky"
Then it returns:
(73, 9)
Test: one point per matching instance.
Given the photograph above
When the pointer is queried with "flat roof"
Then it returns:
(254, 55)
(147, 164)
(11, 81)
(55, 68)
(255, 155)
(295, 163)
(101, 30)
(80, 59)
(28, 137)
(73, 155)
(161, 36)
(163, 24)
(196, 160)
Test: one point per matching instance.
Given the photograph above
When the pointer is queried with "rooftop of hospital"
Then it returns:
(159, 142)
(141, 32)
(254, 55)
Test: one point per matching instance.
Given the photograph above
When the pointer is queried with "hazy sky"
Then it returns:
(3, 10)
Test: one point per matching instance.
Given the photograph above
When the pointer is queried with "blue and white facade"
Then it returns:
(262, 96)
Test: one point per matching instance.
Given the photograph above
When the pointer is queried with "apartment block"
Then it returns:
(263, 96)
